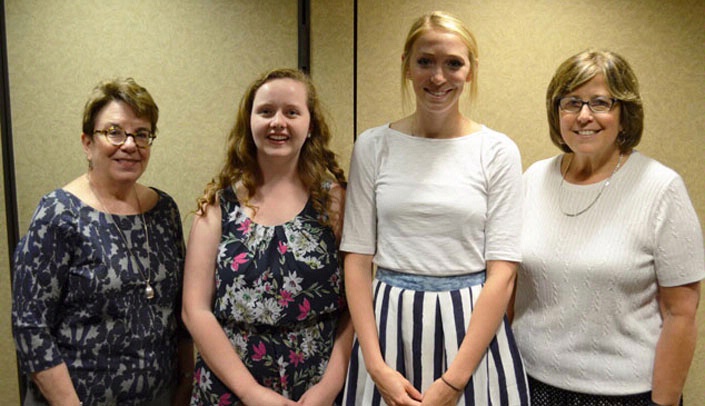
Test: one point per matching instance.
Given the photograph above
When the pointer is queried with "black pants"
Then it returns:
(543, 394)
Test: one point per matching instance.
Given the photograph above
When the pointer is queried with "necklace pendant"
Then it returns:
(149, 292)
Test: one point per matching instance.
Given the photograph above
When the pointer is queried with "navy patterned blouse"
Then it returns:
(78, 298)
(279, 295)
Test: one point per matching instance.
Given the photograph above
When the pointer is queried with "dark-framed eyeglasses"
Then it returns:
(117, 136)
(597, 104)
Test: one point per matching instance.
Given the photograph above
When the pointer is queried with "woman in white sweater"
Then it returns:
(612, 251)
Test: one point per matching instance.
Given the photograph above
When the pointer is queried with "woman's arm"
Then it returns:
(211, 341)
(56, 386)
(488, 313)
(333, 379)
(676, 345)
(395, 389)
(42, 264)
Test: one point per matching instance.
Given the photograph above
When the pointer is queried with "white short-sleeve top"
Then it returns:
(434, 206)
(586, 316)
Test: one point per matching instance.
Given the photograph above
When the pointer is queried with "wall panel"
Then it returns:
(332, 69)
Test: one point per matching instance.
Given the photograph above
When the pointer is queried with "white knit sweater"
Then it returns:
(587, 318)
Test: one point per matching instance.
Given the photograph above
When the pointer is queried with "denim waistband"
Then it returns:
(429, 283)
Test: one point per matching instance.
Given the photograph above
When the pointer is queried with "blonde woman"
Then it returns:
(434, 201)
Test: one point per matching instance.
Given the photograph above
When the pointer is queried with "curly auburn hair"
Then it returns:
(317, 163)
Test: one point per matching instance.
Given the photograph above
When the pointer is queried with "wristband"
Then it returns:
(449, 385)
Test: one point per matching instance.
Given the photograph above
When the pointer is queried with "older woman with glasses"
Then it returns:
(97, 286)
(612, 251)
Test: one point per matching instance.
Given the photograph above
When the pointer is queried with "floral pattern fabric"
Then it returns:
(78, 298)
(279, 294)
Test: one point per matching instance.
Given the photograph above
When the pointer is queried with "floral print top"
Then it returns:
(279, 294)
(78, 298)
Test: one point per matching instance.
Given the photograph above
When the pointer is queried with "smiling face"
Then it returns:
(280, 119)
(122, 164)
(439, 68)
(591, 134)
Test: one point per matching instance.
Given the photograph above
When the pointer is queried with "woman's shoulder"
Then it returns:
(495, 137)
(76, 189)
(229, 194)
(494, 146)
(650, 173)
(58, 208)
(372, 141)
(228, 200)
(61, 197)
(163, 201)
(163, 196)
(376, 133)
(545, 162)
(645, 164)
(543, 166)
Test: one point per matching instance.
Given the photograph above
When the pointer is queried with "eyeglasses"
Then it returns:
(117, 136)
(596, 104)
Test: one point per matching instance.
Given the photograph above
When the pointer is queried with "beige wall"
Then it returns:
(332, 69)
(197, 57)
(523, 42)
(8, 376)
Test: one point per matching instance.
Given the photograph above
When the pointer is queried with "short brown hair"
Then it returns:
(621, 83)
(123, 90)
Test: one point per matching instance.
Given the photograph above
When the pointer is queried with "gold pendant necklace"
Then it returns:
(602, 189)
(149, 292)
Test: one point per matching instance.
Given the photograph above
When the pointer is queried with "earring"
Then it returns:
(309, 135)
(90, 163)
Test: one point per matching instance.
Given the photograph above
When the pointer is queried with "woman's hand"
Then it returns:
(258, 395)
(440, 394)
(56, 385)
(319, 394)
(395, 389)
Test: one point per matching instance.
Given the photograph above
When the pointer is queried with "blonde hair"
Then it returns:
(441, 21)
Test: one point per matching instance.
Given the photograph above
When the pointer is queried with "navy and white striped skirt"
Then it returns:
(422, 321)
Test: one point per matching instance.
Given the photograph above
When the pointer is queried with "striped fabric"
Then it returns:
(420, 333)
